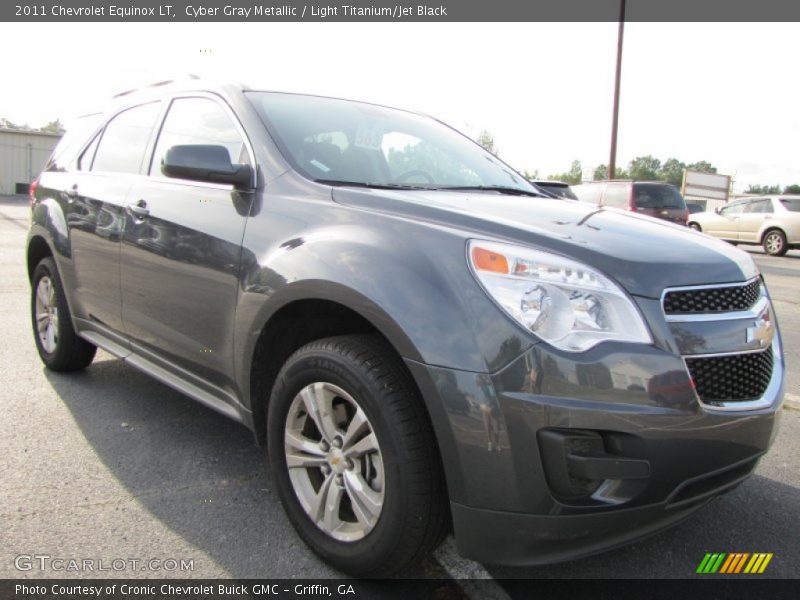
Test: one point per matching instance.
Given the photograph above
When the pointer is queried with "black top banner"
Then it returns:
(398, 10)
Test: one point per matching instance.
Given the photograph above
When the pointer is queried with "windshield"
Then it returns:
(791, 204)
(344, 142)
(658, 196)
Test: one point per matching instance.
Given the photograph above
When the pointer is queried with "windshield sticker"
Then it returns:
(320, 166)
(369, 136)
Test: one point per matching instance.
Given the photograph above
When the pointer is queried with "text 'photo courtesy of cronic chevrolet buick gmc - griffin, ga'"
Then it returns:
(424, 341)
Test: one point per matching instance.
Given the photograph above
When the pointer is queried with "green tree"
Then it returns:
(703, 166)
(54, 127)
(763, 189)
(600, 173)
(672, 171)
(644, 168)
(6, 124)
(572, 177)
(486, 139)
(792, 189)
(530, 175)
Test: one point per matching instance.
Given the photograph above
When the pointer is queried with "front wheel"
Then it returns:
(775, 243)
(59, 347)
(695, 226)
(354, 456)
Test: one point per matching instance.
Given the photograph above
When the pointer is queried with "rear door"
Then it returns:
(181, 250)
(105, 172)
(756, 212)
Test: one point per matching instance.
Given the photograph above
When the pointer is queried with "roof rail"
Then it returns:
(156, 84)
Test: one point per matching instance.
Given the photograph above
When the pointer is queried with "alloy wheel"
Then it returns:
(774, 243)
(47, 314)
(334, 461)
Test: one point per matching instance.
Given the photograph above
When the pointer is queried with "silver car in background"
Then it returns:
(771, 221)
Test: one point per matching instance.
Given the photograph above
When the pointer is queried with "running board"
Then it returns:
(163, 375)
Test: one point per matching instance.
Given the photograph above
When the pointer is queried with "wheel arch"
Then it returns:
(300, 320)
(770, 228)
(37, 249)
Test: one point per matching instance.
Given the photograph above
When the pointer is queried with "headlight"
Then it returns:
(564, 302)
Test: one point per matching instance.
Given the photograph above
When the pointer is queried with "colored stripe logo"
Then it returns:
(734, 563)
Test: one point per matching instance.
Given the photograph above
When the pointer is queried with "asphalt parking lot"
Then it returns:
(109, 464)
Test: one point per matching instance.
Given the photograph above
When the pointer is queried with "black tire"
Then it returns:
(71, 352)
(695, 226)
(774, 243)
(414, 518)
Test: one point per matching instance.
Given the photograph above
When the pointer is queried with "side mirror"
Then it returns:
(718, 210)
(205, 162)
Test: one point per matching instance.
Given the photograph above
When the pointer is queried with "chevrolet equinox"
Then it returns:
(422, 341)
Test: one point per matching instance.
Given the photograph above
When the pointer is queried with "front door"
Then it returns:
(727, 225)
(181, 252)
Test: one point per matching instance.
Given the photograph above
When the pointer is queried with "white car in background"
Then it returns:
(771, 221)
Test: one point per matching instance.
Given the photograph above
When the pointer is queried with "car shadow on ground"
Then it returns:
(197, 472)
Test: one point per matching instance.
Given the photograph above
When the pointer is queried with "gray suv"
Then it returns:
(421, 340)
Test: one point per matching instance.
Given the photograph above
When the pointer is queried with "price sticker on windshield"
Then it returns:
(369, 135)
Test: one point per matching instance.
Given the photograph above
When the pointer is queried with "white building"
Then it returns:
(22, 157)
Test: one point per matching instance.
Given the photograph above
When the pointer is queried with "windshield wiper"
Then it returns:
(377, 186)
(494, 188)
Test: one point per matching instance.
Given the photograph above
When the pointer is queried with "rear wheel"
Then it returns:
(695, 226)
(58, 345)
(775, 243)
(354, 457)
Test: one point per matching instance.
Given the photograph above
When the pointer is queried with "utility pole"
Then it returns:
(612, 160)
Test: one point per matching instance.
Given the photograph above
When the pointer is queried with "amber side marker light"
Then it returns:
(486, 260)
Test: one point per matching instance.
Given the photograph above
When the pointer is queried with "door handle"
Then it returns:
(139, 209)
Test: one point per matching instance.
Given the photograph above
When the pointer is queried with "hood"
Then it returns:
(642, 254)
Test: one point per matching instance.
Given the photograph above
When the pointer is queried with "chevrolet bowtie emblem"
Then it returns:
(762, 331)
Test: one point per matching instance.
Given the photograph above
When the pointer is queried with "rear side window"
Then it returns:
(198, 121)
(763, 205)
(791, 204)
(589, 192)
(617, 195)
(124, 141)
(76, 135)
(657, 196)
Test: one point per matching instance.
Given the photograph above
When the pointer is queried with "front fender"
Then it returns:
(412, 283)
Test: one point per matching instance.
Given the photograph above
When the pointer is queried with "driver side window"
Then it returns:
(732, 209)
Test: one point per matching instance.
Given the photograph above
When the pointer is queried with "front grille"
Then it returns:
(740, 377)
(712, 300)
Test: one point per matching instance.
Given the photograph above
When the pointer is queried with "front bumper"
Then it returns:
(507, 503)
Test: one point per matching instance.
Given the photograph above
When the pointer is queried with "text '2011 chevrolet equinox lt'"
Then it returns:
(422, 342)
